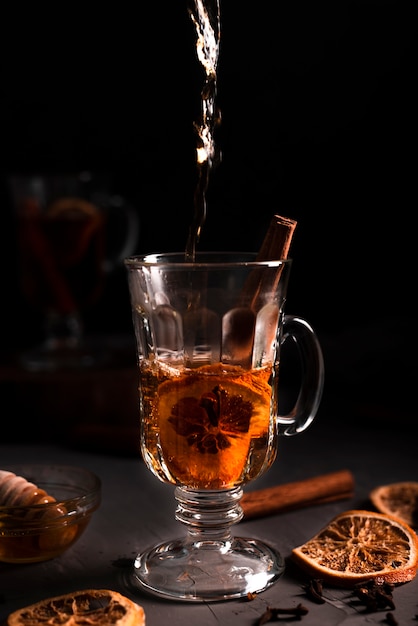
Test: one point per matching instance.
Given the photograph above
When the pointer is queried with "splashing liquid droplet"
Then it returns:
(205, 15)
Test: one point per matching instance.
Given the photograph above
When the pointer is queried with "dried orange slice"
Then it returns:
(72, 206)
(101, 607)
(82, 220)
(358, 546)
(398, 499)
(209, 422)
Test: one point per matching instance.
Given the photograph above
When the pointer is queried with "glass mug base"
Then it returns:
(209, 564)
(209, 571)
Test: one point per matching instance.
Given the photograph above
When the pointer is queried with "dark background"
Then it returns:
(318, 123)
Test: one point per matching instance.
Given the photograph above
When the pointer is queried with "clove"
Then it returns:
(314, 590)
(375, 596)
(273, 614)
(384, 599)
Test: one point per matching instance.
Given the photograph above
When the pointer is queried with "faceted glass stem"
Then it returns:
(209, 563)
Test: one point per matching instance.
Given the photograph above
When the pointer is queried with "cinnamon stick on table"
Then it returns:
(318, 490)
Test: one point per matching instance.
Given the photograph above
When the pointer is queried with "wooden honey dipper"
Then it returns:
(17, 491)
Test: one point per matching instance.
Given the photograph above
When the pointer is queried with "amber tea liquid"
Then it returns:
(209, 427)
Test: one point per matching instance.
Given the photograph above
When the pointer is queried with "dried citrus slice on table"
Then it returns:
(358, 546)
(102, 607)
(398, 499)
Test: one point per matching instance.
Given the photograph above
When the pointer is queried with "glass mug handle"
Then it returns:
(127, 214)
(312, 375)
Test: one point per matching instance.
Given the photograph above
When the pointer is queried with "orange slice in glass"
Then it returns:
(208, 423)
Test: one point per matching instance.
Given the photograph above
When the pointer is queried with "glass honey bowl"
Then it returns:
(33, 530)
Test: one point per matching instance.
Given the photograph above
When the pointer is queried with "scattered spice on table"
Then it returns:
(375, 596)
(272, 614)
(314, 590)
(390, 619)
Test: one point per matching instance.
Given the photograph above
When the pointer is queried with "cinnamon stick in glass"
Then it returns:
(311, 491)
(278, 238)
(275, 245)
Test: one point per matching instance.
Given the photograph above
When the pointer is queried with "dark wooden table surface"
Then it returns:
(137, 510)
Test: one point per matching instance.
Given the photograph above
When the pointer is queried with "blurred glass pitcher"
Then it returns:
(72, 231)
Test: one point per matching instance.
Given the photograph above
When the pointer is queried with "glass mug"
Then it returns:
(209, 335)
(71, 232)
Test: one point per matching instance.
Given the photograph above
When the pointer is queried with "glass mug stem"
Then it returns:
(63, 331)
(209, 564)
(63, 346)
